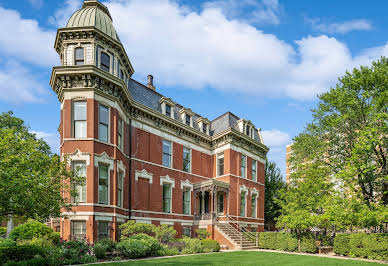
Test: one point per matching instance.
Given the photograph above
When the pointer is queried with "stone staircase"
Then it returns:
(235, 236)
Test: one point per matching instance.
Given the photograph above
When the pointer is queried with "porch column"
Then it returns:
(227, 202)
(203, 202)
(211, 202)
(195, 203)
(215, 202)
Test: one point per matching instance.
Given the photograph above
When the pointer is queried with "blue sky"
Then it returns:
(264, 60)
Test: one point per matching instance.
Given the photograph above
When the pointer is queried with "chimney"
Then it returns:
(150, 83)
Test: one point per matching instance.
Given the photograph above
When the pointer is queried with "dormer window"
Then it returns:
(204, 125)
(168, 110)
(204, 128)
(105, 62)
(167, 107)
(79, 58)
(187, 116)
(248, 130)
(188, 119)
(246, 127)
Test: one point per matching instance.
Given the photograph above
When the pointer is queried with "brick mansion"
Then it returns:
(144, 156)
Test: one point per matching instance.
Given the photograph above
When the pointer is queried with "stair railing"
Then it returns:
(242, 229)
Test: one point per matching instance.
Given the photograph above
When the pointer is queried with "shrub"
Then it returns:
(102, 247)
(278, 241)
(3, 231)
(165, 250)
(19, 253)
(131, 228)
(154, 245)
(164, 233)
(31, 229)
(38, 261)
(210, 245)
(77, 252)
(192, 246)
(307, 244)
(202, 233)
(134, 248)
(4, 242)
(371, 246)
(40, 242)
(267, 240)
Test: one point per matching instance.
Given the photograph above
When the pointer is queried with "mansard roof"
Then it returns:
(150, 98)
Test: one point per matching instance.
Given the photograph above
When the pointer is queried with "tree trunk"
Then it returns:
(299, 242)
(10, 225)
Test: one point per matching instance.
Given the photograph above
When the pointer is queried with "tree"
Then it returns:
(32, 179)
(273, 184)
(343, 150)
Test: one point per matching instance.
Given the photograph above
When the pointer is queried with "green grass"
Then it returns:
(245, 258)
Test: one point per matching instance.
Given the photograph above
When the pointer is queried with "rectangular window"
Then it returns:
(103, 177)
(168, 110)
(220, 164)
(248, 130)
(254, 206)
(186, 160)
(122, 74)
(120, 131)
(166, 153)
(254, 171)
(243, 204)
(120, 183)
(79, 119)
(79, 56)
(79, 169)
(105, 62)
(186, 202)
(103, 230)
(103, 125)
(243, 166)
(167, 198)
(186, 231)
(204, 128)
(220, 203)
(188, 118)
(97, 53)
(78, 230)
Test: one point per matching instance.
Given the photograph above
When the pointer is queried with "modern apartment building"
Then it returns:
(144, 156)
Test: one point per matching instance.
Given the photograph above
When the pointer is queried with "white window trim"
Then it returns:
(246, 166)
(187, 184)
(104, 159)
(77, 155)
(255, 193)
(109, 110)
(254, 179)
(184, 112)
(122, 133)
(143, 174)
(86, 178)
(74, 100)
(245, 190)
(168, 180)
(171, 152)
(191, 160)
(121, 168)
(217, 156)
(163, 101)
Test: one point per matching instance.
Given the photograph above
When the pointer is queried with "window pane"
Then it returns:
(204, 128)
(103, 184)
(188, 120)
(80, 129)
(248, 129)
(103, 132)
(168, 110)
(103, 230)
(104, 115)
(79, 169)
(166, 198)
(254, 172)
(243, 165)
(79, 110)
(220, 163)
(105, 62)
(186, 159)
(167, 153)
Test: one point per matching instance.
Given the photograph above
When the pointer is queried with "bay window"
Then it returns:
(79, 119)
(103, 184)
(79, 169)
(120, 134)
(103, 123)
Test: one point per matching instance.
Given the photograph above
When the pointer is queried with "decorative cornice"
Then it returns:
(143, 174)
(167, 100)
(77, 155)
(167, 179)
(186, 111)
(203, 120)
(186, 183)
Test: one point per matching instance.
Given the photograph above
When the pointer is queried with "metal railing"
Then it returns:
(240, 229)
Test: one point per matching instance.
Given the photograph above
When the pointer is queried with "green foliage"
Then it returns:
(273, 185)
(31, 229)
(5, 242)
(77, 252)
(307, 244)
(164, 233)
(134, 248)
(19, 253)
(31, 177)
(371, 246)
(100, 251)
(192, 246)
(202, 233)
(131, 228)
(3, 231)
(165, 250)
(278, 241)
(152, 242)
(210, 245)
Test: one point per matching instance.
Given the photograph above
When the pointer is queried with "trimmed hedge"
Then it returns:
(32, 229)
(210, 245)
(278, 241)
(371, 246)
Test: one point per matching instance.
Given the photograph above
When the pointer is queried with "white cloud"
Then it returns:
(52, 139)
(252, 11)
(25, 40)
(63, 13)
(275, 138)
(17, 84)
(36, 3)
(181, 47)
(341, 27)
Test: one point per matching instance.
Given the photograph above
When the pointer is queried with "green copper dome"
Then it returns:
(93, 14)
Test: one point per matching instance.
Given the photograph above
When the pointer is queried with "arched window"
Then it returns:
(79, 56)
(105, 62)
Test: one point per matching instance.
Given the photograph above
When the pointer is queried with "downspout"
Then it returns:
(130, 169)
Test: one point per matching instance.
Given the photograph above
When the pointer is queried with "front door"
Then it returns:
(204, 202)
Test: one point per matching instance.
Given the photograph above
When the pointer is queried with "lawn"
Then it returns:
(245, 258)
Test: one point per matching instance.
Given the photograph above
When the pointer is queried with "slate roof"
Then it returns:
(150, 98)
